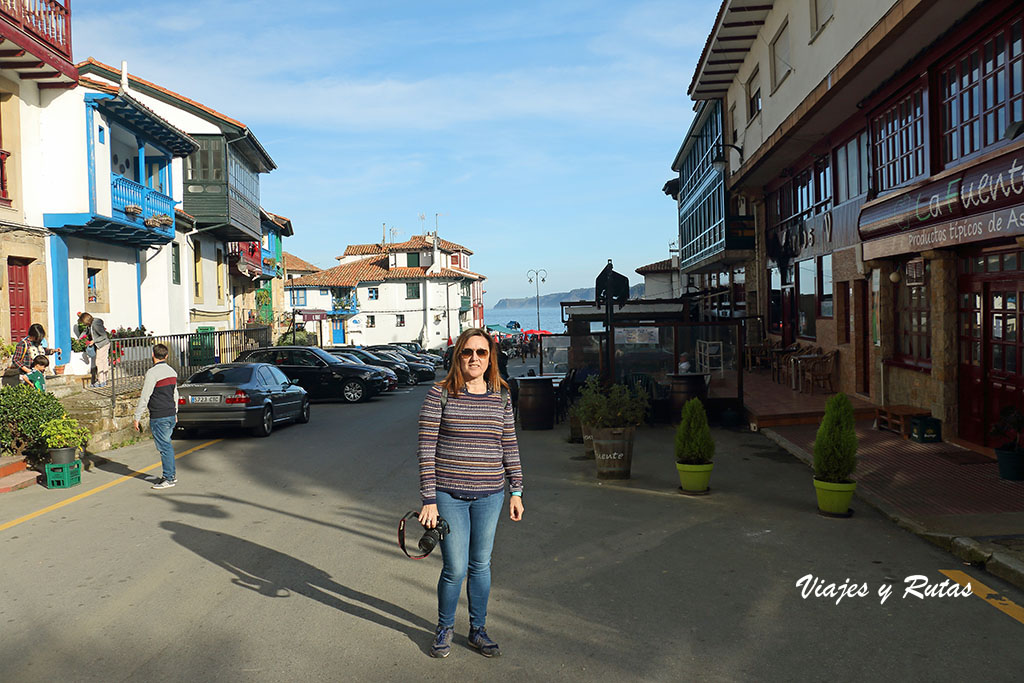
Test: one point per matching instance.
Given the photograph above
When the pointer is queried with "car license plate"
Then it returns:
(204, 399)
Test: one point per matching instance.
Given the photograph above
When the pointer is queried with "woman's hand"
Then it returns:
(515, 508)
(428, 516)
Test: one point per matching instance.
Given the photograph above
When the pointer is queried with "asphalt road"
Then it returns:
(275, 560)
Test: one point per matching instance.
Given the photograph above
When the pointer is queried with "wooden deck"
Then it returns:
(769, 404)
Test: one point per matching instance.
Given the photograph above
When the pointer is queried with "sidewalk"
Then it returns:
(950, 496)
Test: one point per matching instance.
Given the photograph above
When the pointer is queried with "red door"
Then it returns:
(1001, 355)
(21, 301)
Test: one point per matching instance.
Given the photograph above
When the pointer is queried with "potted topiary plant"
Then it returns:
(694, 449)
(23, 410)
(835, 457)
(614, 424)
(1010, 455)
(64, 437)
(587, 408)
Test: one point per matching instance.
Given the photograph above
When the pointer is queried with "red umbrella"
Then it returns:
(536, 332)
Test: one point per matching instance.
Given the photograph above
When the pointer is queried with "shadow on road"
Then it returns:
(277, 575)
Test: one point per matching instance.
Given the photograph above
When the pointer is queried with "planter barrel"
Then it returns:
(834, 499)
(62, 456)
(536, 403)
(575, 430)
(694, 478)
(588, 441)
(613, 451)
(1011, 464)
(684, 387)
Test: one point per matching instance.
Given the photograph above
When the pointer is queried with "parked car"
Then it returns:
(405, 354)
(322, 375)
(354, 360)
(418, 370)
(399, 367)
(252, 395)
(415, 348)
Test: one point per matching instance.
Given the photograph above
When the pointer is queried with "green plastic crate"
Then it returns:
(64, 476)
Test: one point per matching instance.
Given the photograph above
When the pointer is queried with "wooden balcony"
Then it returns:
(41, 28)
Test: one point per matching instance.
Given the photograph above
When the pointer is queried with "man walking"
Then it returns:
(160, 395)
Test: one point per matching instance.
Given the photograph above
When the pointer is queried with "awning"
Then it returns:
(501, 329)
(312, 314)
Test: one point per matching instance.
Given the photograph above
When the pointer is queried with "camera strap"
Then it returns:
(401, 535)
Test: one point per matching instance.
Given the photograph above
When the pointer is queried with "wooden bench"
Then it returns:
(897, 418)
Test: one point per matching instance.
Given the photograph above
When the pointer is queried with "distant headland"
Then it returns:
(552, 300)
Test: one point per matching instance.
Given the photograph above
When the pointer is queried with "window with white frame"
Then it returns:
(400, 320)
(371, 321)
(754, 94)
(851, 168)
(821, 12)
(780, 55)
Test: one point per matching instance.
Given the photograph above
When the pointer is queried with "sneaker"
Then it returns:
(442, 646)
(478, 638)
(165, 483)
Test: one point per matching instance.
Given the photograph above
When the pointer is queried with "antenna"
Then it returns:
(395, 232)
(423, 218)
(383, 233)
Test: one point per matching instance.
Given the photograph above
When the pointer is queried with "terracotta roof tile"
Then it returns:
(412, 244)
(656, 267)
(293, 262)
(373, 269)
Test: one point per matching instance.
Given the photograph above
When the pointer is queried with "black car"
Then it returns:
(355, 360)
(250, 395)
(399, 367)
(418, 370)
(404, 354)
(416, 349)
(321, 374)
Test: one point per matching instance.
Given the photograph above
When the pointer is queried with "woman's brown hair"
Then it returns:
(85, 319)
(454, 382)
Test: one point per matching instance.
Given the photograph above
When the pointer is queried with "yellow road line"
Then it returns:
(992, 597)
(86, 494)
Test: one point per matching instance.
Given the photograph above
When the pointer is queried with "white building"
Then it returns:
(420, 290)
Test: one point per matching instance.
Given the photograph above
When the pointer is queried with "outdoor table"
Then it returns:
(797, 363)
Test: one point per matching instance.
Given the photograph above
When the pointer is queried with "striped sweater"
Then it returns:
(470, 450)
(159, 392)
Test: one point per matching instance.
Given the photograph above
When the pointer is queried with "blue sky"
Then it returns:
(542, 132)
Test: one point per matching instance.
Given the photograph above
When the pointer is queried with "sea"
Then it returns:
(550, 318)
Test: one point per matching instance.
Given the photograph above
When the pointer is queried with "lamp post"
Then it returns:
(536, 277)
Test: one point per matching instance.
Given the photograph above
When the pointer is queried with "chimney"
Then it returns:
(124, 75)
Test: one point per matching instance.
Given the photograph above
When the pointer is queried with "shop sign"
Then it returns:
(636, 335)
(976, 228)
(985, 187)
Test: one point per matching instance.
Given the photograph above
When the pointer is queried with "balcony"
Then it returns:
(133, 202)
(465, 304)
(268, 262)
(345, 305)
(246, 259)
(39, 29)
(47, 20)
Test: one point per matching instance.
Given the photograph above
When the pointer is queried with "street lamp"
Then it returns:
(718, 160)
(537, 276)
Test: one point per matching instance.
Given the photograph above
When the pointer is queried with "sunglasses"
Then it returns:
(468, 353)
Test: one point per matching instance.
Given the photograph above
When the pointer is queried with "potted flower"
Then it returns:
(835, 458)
(1010, 455)
(6, 354)
(64, 437)
(588, 406)
(614, 424)
(694, 449)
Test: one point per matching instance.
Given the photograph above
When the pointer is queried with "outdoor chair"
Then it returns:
(781, 364)
(819, 373)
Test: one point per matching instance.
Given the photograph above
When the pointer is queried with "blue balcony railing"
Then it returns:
(348, 305)
(133, 201)
(269, 263)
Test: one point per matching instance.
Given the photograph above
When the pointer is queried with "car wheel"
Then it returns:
(303, 417)
(353, 391)
(413, 380)
(266, 424)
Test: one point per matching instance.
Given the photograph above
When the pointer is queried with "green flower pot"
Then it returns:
(694, 478)
(834, 499)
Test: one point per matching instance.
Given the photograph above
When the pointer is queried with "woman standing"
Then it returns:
(467, 448)
(96, 337)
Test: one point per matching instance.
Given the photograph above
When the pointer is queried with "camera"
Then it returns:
(430, 538)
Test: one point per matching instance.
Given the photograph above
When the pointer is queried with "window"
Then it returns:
(298, 297)
(412, 259)
(852, 168)
(325, 292)
(455, 260)
(197, 270)
(732, 123)
(753, 94)
(372, 293)
(825, 303)
(806, 305)
(821, 12)
(982, 92)
(175, 263)
(400, 320)
(412, 290)
(775, 303)
(207, 163)
(220, 275)
(371, 321)
(243, 181)
(913, 324)
(780, 56)
(898, 136)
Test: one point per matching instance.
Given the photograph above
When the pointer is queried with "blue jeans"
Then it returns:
(467, 550)
(162, 427)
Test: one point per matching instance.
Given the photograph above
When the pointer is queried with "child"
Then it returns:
(38, 375)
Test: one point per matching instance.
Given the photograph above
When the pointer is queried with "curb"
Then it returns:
(997, 562)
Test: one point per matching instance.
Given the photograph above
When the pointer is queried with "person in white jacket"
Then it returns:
(160, 396)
